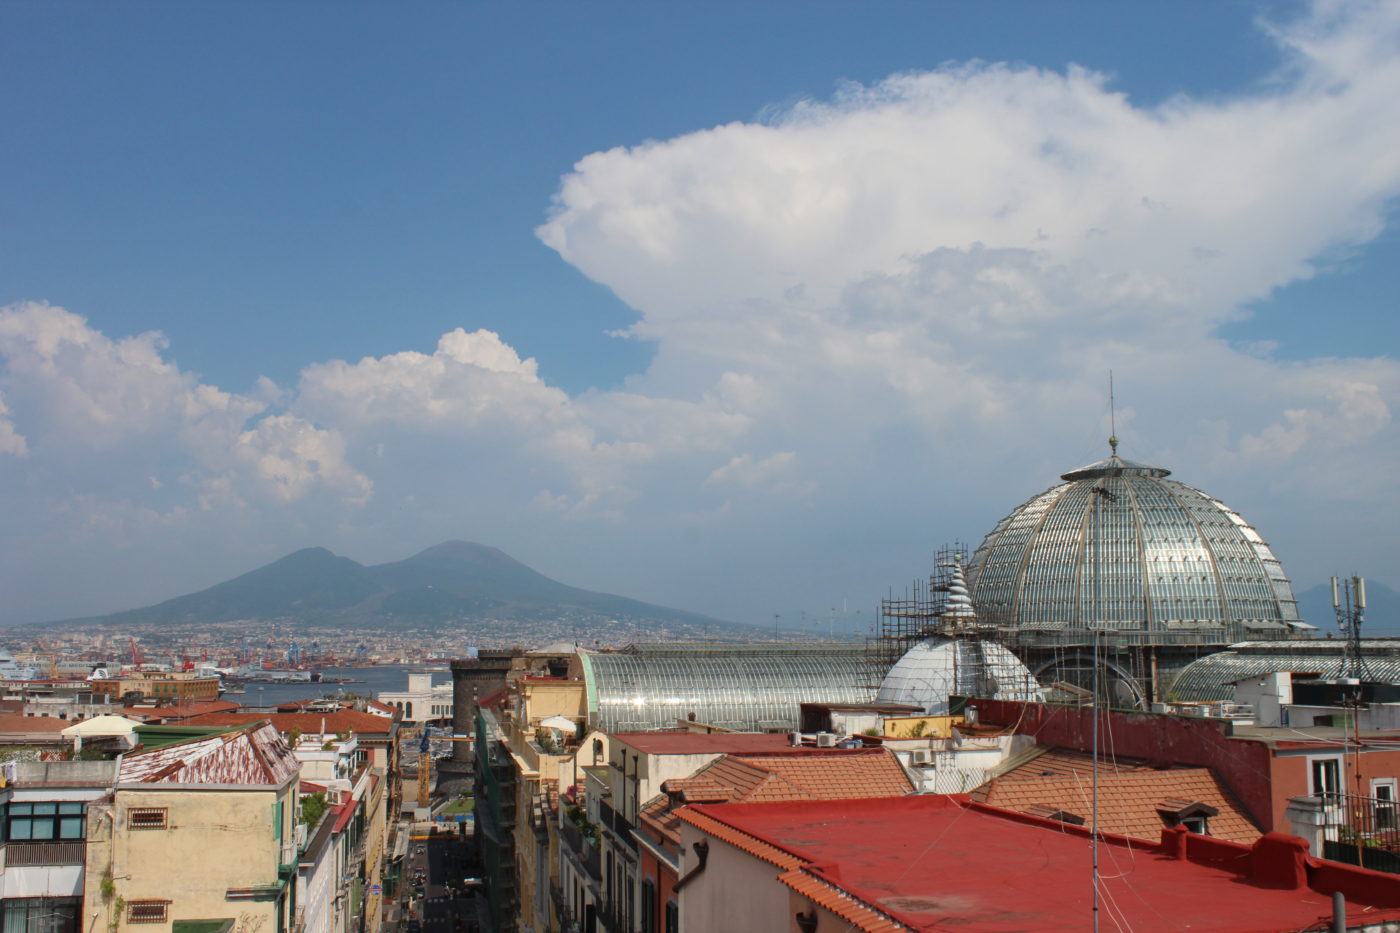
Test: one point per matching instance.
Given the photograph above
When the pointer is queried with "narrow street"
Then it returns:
(442, 888)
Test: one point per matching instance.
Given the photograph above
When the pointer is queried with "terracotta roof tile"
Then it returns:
(18, 723)
(800, 774)
(342, 720)
(1129, 802)
(254, 755)
(860, 916)
(700, 743)
(740, 840)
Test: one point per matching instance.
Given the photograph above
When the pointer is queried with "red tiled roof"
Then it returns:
(17, 723)
(179, 712)
(934, 862)
(1128, 803)
(861, 916)
(255, 755)
(755, 847)
(343, 720)
(701, 743)
(871, 772)
(795, 774)
(1068, 762)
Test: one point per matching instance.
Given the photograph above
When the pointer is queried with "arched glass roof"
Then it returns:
(1210, 678)
(745, 687)
(1120, 546)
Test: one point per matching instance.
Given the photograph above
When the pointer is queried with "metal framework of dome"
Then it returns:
(937, 668)
(1210, 678)
(747, 687)
(1117, 546)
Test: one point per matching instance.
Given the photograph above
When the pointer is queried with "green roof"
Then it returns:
(152, 737)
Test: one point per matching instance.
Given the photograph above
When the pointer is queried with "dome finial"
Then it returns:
(1112, 419)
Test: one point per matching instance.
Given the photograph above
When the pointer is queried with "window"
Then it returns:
(648, 907)
(673, 917)
(148, 818)
(1383, 790)
(147, 911)
(45, 822)
(1326, 777)
(40, 914)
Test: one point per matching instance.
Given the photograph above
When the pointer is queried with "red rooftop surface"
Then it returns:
(342, 720)
(944, 862)
(702, 743)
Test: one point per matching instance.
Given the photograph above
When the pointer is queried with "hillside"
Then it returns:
(1382, 609)
(451, 583)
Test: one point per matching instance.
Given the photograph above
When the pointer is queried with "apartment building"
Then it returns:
(197, 836)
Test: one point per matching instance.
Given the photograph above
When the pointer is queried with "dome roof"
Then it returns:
(938, 668)
(1119, 545)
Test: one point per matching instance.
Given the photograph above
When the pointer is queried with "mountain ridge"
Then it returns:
(452, 582)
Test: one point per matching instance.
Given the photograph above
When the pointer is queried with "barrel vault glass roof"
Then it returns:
(1210, 678)
(1118, 545)
(748, 687)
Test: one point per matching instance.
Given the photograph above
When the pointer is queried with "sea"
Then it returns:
(364, 681)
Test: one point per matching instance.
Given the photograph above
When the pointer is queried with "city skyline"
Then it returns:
(733, 310)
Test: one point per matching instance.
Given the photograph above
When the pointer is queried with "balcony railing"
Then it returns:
(584, 852)
(22, 854)
(619, 824)
(1363, 831)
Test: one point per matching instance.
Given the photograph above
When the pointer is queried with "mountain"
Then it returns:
(451, 583)
(1382, 609)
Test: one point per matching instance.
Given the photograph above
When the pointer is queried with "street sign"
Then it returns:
(375, 889)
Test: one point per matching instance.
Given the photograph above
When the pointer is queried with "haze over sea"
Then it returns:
(367, 681)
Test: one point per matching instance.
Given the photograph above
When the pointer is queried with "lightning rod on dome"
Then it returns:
(1112, 418)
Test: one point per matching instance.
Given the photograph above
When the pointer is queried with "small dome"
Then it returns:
(938, 668)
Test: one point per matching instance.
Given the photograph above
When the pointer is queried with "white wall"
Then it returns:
(736, 892)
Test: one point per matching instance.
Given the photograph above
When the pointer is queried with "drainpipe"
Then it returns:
(702, 849)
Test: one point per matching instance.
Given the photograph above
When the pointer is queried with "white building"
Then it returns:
(421, 702)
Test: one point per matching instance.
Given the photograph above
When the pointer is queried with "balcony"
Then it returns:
(619, 824)
(25, 854)
(584, 853)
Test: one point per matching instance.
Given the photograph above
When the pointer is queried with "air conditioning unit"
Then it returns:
(826, 740)
(920, 756)
(299, 836)
(289, 854)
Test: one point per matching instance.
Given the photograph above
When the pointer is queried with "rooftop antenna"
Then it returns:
(1349, 604)
(1112, 418)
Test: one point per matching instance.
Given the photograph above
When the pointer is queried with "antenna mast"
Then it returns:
(1349, 603)
(1112, 417)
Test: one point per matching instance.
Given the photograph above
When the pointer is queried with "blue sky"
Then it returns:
(273, 187)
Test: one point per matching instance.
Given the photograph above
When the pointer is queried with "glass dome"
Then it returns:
(937, 668)
(1120, 546)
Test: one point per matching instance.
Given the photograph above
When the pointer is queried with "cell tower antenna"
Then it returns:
(1112, 417)
(1349, 604)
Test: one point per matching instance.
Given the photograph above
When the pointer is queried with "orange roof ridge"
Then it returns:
(861, 915)
(739, 839)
